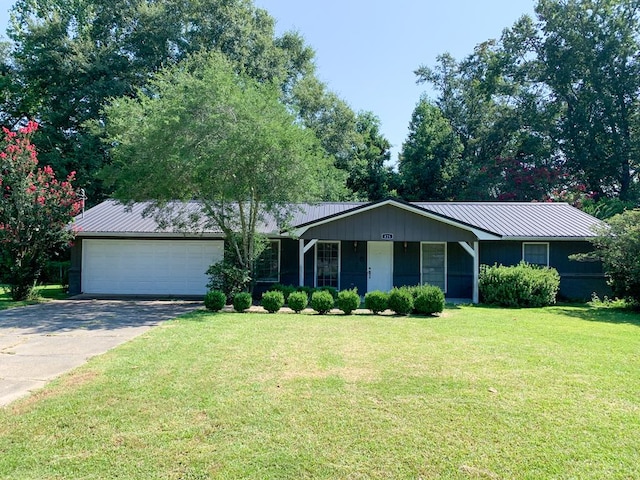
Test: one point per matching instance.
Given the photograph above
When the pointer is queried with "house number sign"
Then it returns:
(387, 236)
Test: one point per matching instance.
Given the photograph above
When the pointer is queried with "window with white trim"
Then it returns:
(433, 268)
(268, 263)
(536, 253)
(327, 264)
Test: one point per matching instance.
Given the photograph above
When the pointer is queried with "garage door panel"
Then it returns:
(152, 267)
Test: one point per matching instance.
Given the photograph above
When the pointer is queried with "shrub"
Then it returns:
(215, 300)
(322, 301)
(401, 300)
(332, 290)
(428, 299)
(241, 301)
(348, 300)
(285, 289)
(272, 301)
(522, 285)
(376, 301)
(228, 278)
(298, 301)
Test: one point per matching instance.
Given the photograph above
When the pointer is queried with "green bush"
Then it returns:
(298, 301)
(322, 301)
(332, 290)
(215, 300)
(401, 300)
(522, 285)
(348, 300)
(427, 299)
(285, 289)
(228, 278)
(272, 301)
(241, 301)
(376, 301)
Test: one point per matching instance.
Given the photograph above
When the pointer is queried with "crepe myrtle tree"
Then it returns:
(201, 131)
(35, 212)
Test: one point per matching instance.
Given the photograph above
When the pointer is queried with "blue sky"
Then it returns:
(367, 50)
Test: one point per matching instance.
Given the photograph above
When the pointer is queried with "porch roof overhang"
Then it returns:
(300, 230)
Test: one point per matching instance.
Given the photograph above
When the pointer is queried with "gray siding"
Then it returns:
(404, 225)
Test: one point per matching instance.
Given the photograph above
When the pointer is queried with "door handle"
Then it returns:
(369, 272)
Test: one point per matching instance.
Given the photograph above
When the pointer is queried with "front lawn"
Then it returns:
(44, 293)
(478, 393)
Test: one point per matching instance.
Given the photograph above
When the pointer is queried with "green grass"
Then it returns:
(478, 393)
(43, 294)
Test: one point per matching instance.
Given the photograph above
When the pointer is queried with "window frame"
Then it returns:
(446, 258)
(339, 259)
(277, 278)
(546, 244)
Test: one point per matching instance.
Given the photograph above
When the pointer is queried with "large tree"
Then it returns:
(561, 92)
(429, 163)
(70, 57)
(201, 131)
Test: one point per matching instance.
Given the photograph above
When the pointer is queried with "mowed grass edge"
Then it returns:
(475, 393)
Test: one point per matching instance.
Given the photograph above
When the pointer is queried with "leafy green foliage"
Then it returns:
(376, 301)
(401, 300)
(522, 285)
(322, 301)
(210, 134)
(298, 301)
(227, 277)
(348, 300)
(286, 290)
(272, 301)
(241, 301)
(429, 163)
(70, 57)
(427, 299)
(618, 247)
(215, 300)
(35, 212)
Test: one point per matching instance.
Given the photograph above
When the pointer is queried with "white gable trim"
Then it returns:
(480, 234)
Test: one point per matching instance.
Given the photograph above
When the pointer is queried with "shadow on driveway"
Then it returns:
(66, 315)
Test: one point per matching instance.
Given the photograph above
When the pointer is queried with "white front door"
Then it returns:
(379, 266)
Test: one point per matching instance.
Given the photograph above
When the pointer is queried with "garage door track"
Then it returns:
(40, 342)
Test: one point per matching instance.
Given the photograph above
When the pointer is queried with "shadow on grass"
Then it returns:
(601, 314)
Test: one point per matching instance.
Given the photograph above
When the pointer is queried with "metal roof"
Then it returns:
(506, 220)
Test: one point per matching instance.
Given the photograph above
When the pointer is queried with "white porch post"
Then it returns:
(475, 255)
(301, 262)
(302, 249)
(476, 272)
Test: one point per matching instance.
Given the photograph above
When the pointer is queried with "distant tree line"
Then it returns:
(548, 111)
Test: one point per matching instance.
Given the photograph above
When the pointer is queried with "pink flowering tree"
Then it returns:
(35, 212)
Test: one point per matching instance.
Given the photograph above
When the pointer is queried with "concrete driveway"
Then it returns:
(40, 342)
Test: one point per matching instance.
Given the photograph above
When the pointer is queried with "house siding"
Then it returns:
(370, 225)
(406, 264)
(578, 280)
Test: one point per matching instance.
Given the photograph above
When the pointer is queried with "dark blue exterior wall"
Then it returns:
(353, 266)
(459, 272)
(406, 264)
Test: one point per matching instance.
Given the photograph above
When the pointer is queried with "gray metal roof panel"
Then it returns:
(516, 220)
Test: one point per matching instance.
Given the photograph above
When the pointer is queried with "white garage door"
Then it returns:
(148, 267)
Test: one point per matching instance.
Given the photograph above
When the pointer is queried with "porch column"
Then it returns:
(475, 255)
(302, 249)
(476, 272)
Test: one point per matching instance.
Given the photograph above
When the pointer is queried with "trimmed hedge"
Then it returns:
(522, 285)
(427, 299)
(241, 301)
(376, 301)
(215, 300)
(401, 300)
(322, 301)
(348, 301)
(272, 301)
(298, 301)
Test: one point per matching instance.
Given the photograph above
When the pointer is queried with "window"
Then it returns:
(327, 264)
(268, 264)
(434, 265)
(536, 253)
